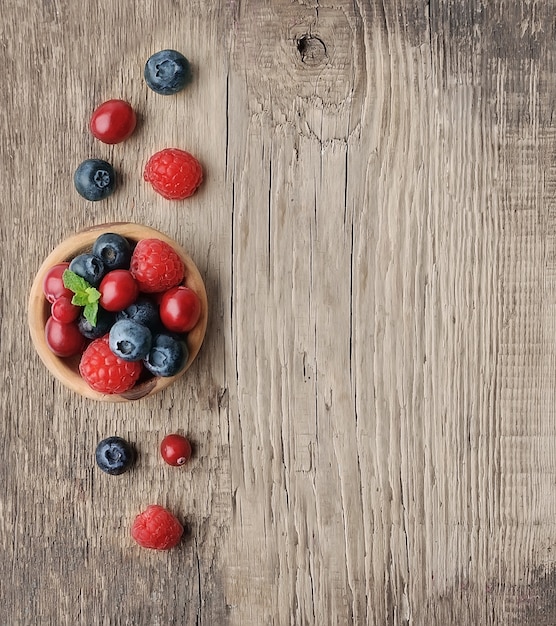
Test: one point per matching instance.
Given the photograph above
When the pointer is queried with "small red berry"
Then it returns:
(180, 309)
(173, 173)
(62, 310)
(53, 285)
(63, 339)
(175, 450)
(104, 371)
(156, 528)
(118, 289)
(113, 121)
(156, 266)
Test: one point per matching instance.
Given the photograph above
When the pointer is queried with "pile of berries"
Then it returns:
(174, 173)
(124, 308)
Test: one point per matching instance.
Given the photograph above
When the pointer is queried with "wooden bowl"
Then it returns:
(66, 370)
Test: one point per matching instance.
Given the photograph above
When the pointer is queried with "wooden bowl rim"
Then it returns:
(38, 310)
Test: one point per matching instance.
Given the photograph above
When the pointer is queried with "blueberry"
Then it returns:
(89, 267)
(167, 72)
(94, 179)
(130, 340)
(105, 321)
(114, 250)
(144, 311)
(167, 356)
(114, 455)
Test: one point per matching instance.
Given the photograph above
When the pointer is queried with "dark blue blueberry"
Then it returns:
(167, 72)
(105, 321)
(130, 340)
(114, 455)
(94, 179)
(144, 311)
(167, 356)
(89, 267)
(114, 250)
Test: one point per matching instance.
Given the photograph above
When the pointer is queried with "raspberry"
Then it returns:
(173, 173)
(156, 266)
(104, 371)
(156, 528)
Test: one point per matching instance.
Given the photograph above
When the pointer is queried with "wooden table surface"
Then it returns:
(373, 407)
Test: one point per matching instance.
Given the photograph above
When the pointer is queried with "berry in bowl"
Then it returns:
(118, 312)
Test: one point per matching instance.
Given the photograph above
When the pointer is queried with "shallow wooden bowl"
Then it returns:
(66, 370)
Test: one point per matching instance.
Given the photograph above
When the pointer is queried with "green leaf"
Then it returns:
(80, 299)
(73, 282)
(93, 295)
(90, 312)
(84, 295)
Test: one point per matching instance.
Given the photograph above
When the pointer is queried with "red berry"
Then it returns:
(118, 289)
(175, 450)
(180, 309)
(173, 173)
(156, 528)
(113, 122)
(63, 339)
(53, 284)
(106, 372)
(156, 266)
(62, 310)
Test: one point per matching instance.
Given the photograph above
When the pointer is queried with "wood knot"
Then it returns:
(311, 50)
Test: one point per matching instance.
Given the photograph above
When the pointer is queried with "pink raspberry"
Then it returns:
(156, 266)
(104, 371)
(156, 528)
(173, 173)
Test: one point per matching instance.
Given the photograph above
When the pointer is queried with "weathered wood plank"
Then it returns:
(421, 231)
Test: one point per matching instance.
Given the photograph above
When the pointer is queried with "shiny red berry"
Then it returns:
(118, 290)
(53, 285)
(175, 450)
(62, 310)
(113, 121)
(63, 339)
(180, 309)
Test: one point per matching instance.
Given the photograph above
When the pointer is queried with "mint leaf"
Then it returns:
(73, 282)
(90, 312)
(80, 299)
(93, 295)
(84, 295)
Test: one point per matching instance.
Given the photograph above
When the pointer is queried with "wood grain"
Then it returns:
(372, 409)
